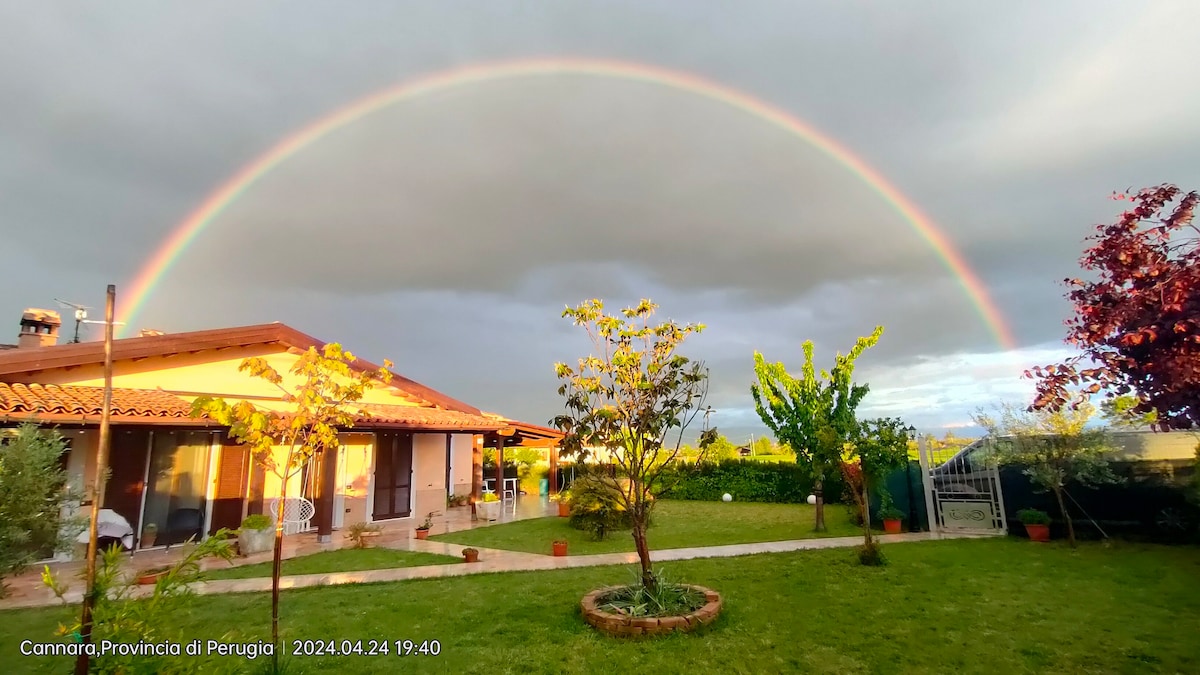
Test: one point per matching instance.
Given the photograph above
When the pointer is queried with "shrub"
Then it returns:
(256, 521)
(358, 533)
(663, 598)
(871, 555)
(33, 491)
(1033, 517)
(748, 481)
(596, 507)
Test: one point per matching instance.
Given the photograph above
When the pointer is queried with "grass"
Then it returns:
(342, 560)
(967, 606)
(676, 524)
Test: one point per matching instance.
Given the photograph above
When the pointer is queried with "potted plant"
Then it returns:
(488, 506)
(560, 547)
(149, 534)
(360, 532)
(423, 528)
(471, 555)
(891, 517)
(564, 505)
(149, 577)
(256, 535)
(1037, 524)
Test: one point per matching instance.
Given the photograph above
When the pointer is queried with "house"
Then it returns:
(409, 447)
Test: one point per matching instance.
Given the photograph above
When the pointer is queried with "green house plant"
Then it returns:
(892, 518)
(360, 532)
(423, 528)
(488, 507)
(470, 555)
(149, 535)
(1037, 524)
(257, 535)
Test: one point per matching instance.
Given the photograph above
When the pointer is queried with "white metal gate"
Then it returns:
(962, 491)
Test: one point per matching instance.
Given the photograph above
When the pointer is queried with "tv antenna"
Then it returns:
(81, 316)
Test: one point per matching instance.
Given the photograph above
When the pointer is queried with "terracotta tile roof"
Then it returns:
(423, 418)
(67, 355)
(4, 347)
(53, 399)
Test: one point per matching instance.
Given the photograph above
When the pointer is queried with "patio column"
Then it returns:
(499, 466)
(553, 469)
(327, 486)
(476, 471)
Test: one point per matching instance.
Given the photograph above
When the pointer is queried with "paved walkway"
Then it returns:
(497, 560)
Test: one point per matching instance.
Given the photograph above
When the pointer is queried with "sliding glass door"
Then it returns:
(175, 485)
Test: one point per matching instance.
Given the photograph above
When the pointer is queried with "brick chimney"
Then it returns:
(39, 328)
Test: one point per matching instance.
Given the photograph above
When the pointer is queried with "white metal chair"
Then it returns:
(298, 513)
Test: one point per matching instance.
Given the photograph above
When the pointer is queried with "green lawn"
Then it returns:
(343, 560)
(676, 524)
(968, 606)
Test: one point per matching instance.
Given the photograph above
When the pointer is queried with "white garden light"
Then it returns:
(727, 498)
(812, 499)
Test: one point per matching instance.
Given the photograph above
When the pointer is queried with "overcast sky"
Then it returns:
(447, 233)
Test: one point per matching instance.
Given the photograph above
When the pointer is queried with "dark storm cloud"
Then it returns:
(448, 233)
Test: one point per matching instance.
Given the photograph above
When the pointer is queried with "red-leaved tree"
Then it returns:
(1138, 320)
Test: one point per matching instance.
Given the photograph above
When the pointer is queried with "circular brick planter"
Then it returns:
(617, 624)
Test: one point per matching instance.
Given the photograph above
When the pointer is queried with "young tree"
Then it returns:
(1138, 321)
(33, 491)
(634, 399)
(815, 417)
(317, 393)
(1053, 448)
(1120, 412)
(878, 447)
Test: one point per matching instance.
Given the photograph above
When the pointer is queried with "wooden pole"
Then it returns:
(553, 470)
(500, 466)
(89, 599)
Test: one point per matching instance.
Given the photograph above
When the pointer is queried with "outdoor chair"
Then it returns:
(297, 514)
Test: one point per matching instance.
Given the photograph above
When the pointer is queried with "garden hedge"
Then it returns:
(748, 481)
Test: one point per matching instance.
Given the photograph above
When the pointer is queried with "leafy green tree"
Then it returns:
(721, 448)
(814, 416)
(634, 399)
(878, 447)
(1054, 448)
(33, 492)
(763, 446)
(318, 392)
(1121, 412)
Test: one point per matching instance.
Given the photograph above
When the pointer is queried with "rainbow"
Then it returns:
(212, 207)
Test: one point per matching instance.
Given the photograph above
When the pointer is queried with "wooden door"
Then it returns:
(232, 474)
(127, 482)
(393, 476)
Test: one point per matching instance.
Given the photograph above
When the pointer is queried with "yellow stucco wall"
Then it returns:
(356, 461)
(210, 372)
(460, 474)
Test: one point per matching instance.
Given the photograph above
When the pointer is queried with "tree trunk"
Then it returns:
(865, 505)
(643, 549)
(1062, 508)
(277, 564)
(819, 493)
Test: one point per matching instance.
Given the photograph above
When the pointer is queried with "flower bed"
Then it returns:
(622, 625)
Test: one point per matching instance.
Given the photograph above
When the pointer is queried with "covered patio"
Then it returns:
(513, 435)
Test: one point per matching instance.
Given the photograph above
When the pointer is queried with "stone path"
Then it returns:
(497, 560)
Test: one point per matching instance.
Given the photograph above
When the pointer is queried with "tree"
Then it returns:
(1054, 448)
(318, 391)
(878, 447)
(763, 446)
(721, 448)
(815, 417)
(1138, 321)
(1120, 412)
(631, 400)
(33, 491)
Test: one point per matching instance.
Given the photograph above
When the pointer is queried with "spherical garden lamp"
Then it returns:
(727, 498)
(812, 500)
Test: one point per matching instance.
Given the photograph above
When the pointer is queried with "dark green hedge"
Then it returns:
(748, 481)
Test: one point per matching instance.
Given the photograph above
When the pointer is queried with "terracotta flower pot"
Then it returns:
(564, 509)
(560, 548)
(1038, 532)
(471, 555)
(891, 526)
(149, 578)
(422, 534)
